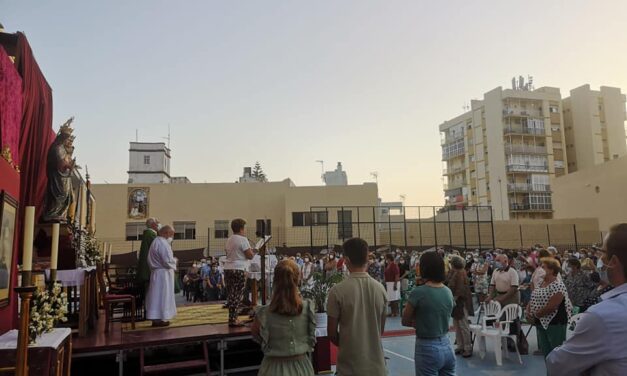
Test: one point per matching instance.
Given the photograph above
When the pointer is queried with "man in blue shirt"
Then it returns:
(597, 346)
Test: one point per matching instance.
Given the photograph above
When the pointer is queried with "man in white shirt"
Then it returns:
(597, 346)
(238, 252)
(160, 301)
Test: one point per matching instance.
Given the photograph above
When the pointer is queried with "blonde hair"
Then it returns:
(552, 264)
(588, 264)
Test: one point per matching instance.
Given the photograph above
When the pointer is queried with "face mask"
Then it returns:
(159, 226)
(476, 260)
(498, 265)
(331, 257)
(306, 259)
(170, 240)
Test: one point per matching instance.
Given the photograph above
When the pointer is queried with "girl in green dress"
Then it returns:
(286, 328)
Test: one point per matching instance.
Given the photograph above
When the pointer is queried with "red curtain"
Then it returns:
(10, 106)
(36, 134)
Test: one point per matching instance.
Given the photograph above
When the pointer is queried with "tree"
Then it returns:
(258, 173)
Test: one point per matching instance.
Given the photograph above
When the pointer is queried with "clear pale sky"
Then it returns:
(290, 82)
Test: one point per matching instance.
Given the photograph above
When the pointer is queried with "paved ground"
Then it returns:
(400, 354)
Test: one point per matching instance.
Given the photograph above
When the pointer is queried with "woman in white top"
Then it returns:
(238, 252)
(306, 273)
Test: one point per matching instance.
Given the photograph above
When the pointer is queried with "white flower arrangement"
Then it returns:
(48, 307)
(85, 245)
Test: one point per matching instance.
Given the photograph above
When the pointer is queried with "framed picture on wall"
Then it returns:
(8, 220)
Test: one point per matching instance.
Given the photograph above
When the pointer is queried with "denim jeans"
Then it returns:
(434, 357)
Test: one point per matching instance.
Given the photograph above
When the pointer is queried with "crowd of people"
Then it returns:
(438, 286)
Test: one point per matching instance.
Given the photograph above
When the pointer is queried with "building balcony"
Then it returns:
(453, 154)
(455, 201)
(451, 139)
(524, 149)
(456, 184)
(530, 207)
(524, 131)
(524, 187)
(453, 170)
(526, 168)
(524, 113)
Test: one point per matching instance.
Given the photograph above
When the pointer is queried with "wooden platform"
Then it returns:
(119, 343)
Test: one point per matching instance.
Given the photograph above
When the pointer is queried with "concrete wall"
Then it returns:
(594, 192)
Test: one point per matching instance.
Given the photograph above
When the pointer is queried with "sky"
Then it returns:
(287, 83)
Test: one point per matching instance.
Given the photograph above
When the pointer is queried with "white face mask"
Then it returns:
(159, 226)
(306, 259)
(170, 240)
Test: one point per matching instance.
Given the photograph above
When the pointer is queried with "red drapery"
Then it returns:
(36, 134)
(10, 106)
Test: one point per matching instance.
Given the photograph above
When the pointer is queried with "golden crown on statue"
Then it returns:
(66, 127)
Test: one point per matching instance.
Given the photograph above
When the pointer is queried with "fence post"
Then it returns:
(492, 225)
(575, 232)
(374, 227)
(404, 226)
(390, 228)
(478, 228)
(358, 223)
(435, 228)
(548, 234)
(464, 227)
(311, 227)
(420, 225)
(521, 237)
(450, 234)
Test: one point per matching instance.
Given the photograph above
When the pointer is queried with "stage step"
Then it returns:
(175, 366)
(172, 366)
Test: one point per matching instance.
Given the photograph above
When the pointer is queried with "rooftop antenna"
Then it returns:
(136, 135)
(375, 176)
(321, 169)
(466, 107)
(402, 197)
(168, 138)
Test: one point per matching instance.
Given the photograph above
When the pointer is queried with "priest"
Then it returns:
(143, 270)
(160, 303)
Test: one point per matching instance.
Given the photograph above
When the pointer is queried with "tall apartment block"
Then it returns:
(594, 124)
(504, 151)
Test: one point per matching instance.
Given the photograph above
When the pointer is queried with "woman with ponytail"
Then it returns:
(285, 329)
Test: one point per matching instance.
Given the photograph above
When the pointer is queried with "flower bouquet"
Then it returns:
(48, 307)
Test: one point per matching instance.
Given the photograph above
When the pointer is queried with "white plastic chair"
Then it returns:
(572, 324)
(490, 313)
(510, 313)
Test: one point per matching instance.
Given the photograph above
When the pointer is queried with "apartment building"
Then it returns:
(504, 151)
(594, 125)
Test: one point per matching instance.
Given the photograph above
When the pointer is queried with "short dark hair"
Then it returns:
(432, 267)
(356, 249)
(389, 256)
(237, 225)
(617, 244)
(574, 263)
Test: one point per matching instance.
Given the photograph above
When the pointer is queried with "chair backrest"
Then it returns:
(493, 308)
(102, 286)
(509, 313)
(572, 324)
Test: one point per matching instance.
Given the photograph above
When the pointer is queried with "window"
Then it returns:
(221, 229)
(344, 224)
(146, 159)
(134, 230)
(184, 230)
(553, 109)
(316, 218)
(267, 229)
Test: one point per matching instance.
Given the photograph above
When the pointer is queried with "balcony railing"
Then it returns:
(453, 154)
(453, 170)
(452, 138)
(524, 149)
(526, 168)
(524, 130)
(510, 112)
(530, 207)
(524, 187)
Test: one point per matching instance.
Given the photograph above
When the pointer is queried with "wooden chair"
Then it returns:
(109, 301)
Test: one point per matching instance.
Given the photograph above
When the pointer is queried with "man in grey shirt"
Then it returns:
(597, 346)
